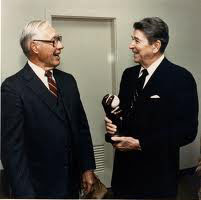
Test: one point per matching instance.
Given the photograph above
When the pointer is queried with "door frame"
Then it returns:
(91, 14)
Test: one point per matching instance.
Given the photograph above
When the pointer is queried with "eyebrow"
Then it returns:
(135, 38)
(56, 36)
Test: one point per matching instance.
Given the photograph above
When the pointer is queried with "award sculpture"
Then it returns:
(114, 113)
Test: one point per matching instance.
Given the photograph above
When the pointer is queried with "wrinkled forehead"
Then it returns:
(47, 32)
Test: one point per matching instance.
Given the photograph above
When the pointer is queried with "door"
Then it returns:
(87, 55)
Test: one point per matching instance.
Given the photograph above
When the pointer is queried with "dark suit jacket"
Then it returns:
(36, 153)
(162, 126)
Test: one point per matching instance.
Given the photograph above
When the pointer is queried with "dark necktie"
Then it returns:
(140, 82)
(52, 84)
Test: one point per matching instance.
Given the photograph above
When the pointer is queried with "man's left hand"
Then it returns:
(126, 143)
(88, 180)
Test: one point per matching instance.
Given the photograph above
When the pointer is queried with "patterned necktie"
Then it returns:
(140, 82)
(52, 84)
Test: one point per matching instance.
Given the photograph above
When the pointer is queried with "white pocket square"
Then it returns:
(154, 97)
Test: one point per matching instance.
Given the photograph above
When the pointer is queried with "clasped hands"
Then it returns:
(121, 143)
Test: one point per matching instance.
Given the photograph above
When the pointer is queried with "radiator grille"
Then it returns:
(99, 157)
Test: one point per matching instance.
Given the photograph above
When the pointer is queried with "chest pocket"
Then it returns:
(149, 110)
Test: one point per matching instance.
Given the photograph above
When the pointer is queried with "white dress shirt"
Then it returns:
(151, 69)
(40, 72)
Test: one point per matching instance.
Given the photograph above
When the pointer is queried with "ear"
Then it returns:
(156, 46)
(34, 47)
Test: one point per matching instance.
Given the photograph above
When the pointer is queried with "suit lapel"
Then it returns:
(64, 92)
(37, 86)
(155, 80)
(136, 73)
(133, 77)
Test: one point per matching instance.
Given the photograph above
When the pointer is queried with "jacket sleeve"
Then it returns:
(87, 153)
(184, 120)
(83, 138)
(13, 153)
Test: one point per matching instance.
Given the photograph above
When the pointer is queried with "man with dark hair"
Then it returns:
(164, 103)
(46, 146)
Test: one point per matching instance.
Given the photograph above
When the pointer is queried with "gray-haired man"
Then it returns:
(46, 143)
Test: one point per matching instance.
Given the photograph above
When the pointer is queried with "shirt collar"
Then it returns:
(40, 72)
(153, 66)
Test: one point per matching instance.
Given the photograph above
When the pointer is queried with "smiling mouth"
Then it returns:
(57, 55)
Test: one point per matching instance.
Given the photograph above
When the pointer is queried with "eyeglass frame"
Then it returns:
(54, 41)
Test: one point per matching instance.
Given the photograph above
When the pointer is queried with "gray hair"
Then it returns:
(155, 29)
(31, 30)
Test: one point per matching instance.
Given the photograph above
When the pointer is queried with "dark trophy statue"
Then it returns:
(113, 112)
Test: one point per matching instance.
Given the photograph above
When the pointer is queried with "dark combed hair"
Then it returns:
(155, 29)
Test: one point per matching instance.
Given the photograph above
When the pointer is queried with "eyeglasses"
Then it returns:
(54, 41)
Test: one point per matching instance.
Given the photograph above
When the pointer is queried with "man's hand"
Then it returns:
(88, 180)
(110, 127)
(126, 143)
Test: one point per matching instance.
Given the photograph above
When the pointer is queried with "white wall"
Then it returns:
(182, 16)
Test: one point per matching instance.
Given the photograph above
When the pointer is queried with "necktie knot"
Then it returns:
(48, 73)
(144, 72)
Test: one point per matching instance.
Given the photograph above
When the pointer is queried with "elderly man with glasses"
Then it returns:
(46, 143)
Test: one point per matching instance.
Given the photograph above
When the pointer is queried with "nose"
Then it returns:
(60, 45)
(132, 44)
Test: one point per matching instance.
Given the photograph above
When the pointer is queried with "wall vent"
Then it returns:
(99, 158)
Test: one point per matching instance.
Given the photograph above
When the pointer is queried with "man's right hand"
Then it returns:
(110, 127)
